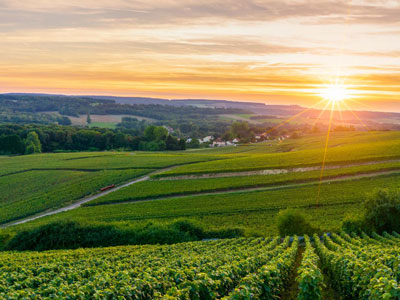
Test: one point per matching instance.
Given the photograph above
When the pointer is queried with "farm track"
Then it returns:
(257, 189)
(83, 200)
(273, 171)
(147, 177)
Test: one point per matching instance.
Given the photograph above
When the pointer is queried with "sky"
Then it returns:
(276, 52)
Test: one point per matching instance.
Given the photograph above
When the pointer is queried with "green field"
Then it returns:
(34, 183)
(35, 191)
(253, 211)
(37, 183)
(345, 153)
(164, 188)
(222, 191)
(103, 125)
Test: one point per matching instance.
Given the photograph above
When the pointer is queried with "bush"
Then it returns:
(292, 222)
(354, 224)
(4, 238)
(382, 211)
(72, 235)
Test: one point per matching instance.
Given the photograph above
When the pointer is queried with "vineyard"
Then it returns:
(355, 267)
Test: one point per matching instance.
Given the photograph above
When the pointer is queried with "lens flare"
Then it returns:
(334, 93)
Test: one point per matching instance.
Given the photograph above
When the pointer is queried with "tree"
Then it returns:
(88, 119)
(293, 222)
(155, 133)
(382, 211)
(242, 131)
(171, 143)
(32, 143)
(63, 120)
(11, 144)
(194, 143)
(182, 144)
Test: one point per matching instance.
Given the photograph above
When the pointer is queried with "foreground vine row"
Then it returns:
(358, 267)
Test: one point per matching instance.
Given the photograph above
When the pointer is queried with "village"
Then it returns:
(213, 142)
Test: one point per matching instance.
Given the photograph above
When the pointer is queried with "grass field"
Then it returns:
(161, 188)
(304, 152)
(39, 182)
(226, 191)
(253, 211)
(103, 125)
(35, 183)
(35, 191)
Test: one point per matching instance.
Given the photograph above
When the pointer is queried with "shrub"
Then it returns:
(382, 211)
(72, 235)
(354, 224)
(4, 238)
(292, 222)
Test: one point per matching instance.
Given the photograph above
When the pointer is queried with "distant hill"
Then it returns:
(250, 107)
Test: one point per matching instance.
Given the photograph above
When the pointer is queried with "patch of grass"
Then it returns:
(103, 125)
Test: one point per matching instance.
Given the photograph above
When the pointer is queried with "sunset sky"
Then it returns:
(277, 52)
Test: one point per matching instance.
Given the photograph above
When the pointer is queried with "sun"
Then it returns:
(334, 93)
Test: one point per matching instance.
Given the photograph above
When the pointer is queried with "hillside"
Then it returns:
(199, 224)
(243, 186)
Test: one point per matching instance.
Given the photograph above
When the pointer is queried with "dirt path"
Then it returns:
(83, 200)
(255, 189)
(292, 289)
(273, 171)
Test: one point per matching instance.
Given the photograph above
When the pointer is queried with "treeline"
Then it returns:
(75, 106)
(9, 116)
(27, 139)
(184, 128)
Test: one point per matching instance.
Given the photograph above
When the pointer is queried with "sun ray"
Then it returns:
(321, 113)
(293, 117)
(356, 116)
(339, 108)
(325, 153)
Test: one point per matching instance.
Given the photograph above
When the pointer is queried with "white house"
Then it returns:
(207, 139)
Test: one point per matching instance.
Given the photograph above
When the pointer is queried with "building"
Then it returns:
(207, 139)
(169, 129)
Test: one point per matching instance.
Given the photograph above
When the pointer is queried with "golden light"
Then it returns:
(334, 93)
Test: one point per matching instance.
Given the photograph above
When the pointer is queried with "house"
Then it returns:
(207, 139)
(169, 129)
(235, 141)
